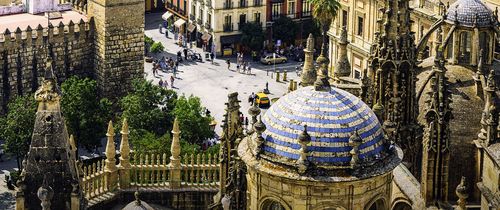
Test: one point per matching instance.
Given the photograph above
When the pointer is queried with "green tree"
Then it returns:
(149, 107)
(311, 27)
(16, 128)
(325, 11)
(85, 112)
(252, 35)
(146, 142)
(285, 29)
(194, 124)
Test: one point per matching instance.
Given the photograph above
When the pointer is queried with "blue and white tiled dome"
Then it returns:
(332, 117)
(466, 12)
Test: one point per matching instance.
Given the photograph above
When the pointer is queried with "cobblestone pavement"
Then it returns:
(213, 82)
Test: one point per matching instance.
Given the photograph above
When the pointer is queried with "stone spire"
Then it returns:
(259, 128)
(110, 148)
(176, 145)
(50, 153)
(253, 111)
(489, 120)
(322, 83)
(436, 154)
(462, 195)
(393, 76)
(110, 164)
(343, 67)
(308, 71)
(304, 140)
(124, 166)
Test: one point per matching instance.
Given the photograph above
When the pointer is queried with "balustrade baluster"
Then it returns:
(209, 167)
(203, 166)
(191, 166)
(198, 169)
(164, 170)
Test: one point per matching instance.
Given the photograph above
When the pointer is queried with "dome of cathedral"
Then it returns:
(470, 13)
(138, 204)
(333, 118)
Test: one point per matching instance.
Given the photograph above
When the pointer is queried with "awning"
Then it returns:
(166, 15)
(206, 36)
(179, 23)
(191, 27)
(231, 39)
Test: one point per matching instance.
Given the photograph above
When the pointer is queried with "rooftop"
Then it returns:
(12, 22)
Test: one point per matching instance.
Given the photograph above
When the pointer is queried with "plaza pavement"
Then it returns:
(213, 82)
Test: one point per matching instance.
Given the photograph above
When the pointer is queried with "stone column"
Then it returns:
(124, 166)
(456, 46)
(110, 164)
(475, 47)
(175, 159)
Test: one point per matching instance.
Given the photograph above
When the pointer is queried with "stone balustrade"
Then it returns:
(93, 184)
(148, 171)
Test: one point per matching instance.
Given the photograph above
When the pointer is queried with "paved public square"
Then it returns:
(213, 82)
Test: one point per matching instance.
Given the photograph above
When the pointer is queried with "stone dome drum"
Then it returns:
(467, 11)
(332, 117)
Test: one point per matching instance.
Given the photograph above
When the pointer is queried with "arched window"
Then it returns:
(272, 205)
(401, 206)
(378, 205)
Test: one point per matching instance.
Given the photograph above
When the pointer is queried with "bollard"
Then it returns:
(278, 76)
(284, 76)
(290, 87)
(294, 85)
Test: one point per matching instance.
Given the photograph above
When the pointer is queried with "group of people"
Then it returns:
(241, 65)
(165, 64)
(164, 84)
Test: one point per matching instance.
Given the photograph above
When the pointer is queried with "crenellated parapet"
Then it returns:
(23, 53)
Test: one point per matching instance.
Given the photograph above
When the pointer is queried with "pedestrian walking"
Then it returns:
(246, 122)
(251, 98)
(172, 81)
(244, 67)
(228, 64)
(159, 27)
(249, 69)
(154, 70)
(242, 118)
(160, 83)
(185, 53)
(165, 84)
(212, 57)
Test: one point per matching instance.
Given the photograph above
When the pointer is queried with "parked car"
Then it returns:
(273, 59)
(262, 100)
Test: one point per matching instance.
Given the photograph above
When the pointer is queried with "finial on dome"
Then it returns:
(259, 128)
(137, 199)
(308, 72)
(322, 83)
(462, 195)
(354, 141)
(304, 140)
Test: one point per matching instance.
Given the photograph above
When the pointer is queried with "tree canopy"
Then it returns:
(149, 107)
(285, 29)
(16, 128)
(194, 124)
(85, 113)
(252, 35)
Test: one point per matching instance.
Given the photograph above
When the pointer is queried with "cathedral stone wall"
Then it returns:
(298, 194)
(23, 55)
(119, 43)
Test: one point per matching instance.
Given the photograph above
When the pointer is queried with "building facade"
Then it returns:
(298, 10)
(360, 20)
(218, 23)
(177, 19)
